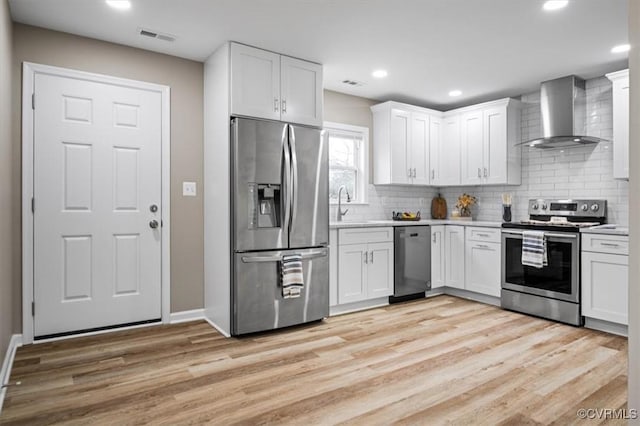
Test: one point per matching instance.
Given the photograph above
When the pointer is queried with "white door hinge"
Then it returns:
(33, 205)
(33, 309)
(33, 101)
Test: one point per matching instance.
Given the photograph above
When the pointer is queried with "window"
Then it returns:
(348, 161)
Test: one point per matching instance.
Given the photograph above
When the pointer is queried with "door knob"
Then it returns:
(153, 224)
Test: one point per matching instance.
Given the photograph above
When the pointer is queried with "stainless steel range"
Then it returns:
(552, 291)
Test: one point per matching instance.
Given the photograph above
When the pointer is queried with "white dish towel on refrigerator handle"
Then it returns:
(534, 249)
(291, 275)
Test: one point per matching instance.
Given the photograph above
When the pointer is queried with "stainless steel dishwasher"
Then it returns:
(412, 274)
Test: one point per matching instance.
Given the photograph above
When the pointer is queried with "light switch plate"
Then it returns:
(188, 189)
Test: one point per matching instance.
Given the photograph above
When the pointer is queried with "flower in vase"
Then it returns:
(465, 201)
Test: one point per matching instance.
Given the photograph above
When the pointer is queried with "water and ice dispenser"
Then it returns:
(264, 205)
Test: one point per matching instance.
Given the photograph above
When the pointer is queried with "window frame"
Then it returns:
(362, 170)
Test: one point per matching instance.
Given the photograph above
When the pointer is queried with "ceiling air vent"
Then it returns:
(155, 34)
(352, 83)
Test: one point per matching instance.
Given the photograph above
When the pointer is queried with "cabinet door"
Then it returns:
(301, 91)
(435, 150)
(400, 132)
(419, 152)
(482, 267)
(454, 255)
(472, 148)
(437, 256)
(380, 270)
(605, 286)
(621, 128)
(352, 273)
(494, 170)
(255, 82)
(447, 168)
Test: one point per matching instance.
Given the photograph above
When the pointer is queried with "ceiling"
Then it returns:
(485, 48)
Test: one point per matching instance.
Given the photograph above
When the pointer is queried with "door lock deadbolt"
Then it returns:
(153, 208)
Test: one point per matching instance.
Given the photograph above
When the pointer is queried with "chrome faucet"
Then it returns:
(340, 212)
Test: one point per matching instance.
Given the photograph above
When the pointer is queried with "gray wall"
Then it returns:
(7, 184)
(185, 78)
(634, 205)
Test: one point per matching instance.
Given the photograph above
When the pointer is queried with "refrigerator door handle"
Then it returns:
(287, 178)
(263, 259)
(294, 174)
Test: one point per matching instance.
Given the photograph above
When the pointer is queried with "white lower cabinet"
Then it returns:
(437, 256)
(365, 268)
(482, 261)
(454, 255)
(605, 282)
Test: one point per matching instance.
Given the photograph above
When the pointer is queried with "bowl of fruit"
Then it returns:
(405, 216)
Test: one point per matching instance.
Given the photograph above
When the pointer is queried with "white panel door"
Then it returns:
(97, 172)
(483, 267)
(255, 82)
(352, 273)
(301, 91)
(419, 152)
(400, 136)
(437, 256)
(605, 286)
(454, 255)
(495, 145)
(472, 148)
(380, 270)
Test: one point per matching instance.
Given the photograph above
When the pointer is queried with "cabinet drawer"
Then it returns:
(487, 235)
(601, 243)
(365, 235)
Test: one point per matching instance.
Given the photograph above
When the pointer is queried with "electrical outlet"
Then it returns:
(188, 189)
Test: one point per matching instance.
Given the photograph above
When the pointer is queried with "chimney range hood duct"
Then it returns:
(563, 105)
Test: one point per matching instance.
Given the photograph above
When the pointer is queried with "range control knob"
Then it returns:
(584, 207)
(534, 206)
(595, 207)
(544, 206)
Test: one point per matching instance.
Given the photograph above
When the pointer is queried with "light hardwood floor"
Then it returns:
(436, 361)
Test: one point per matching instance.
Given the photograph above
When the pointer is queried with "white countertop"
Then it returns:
(388, 222)
(606, 231)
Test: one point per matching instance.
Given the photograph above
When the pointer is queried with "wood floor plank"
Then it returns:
(443, 360)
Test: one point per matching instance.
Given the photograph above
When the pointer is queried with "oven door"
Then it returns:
(559, 280)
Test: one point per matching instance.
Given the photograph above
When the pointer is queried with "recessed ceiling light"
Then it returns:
(119, 4)
(455, 93)
(621, 48)
(555, 4)
(380, 73)
(577, 140)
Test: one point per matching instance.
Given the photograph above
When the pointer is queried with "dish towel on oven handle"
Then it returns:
(291, 275)
(534, 249)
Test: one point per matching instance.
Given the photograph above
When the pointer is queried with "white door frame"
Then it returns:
(29, 71)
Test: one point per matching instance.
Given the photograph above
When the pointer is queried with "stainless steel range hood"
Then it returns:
(563, 106)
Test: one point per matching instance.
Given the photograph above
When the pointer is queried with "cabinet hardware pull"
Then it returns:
(433, 238)
(284, 106)
(275, 104)
(481, 234)
(610, 244)
(366, 257)
(371, 256)
(483, 246)
(479, 172)
(485, 172)
(433, 173)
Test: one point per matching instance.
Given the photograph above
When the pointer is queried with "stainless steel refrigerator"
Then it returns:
(280, 206)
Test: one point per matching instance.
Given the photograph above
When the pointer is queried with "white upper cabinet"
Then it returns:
(490, 134)
(445, 150)
(401, 144)
(301, 91)
(620, 81)
(272, 86)
(255, 82)
(472, 148)
(475, 145)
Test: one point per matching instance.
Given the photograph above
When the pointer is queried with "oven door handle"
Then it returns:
(546, 234)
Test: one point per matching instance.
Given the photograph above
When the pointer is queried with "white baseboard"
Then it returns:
(5, 373)
(214, 325)
(185, 316)
(358, 306)
(606, 326)
(477, 297)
